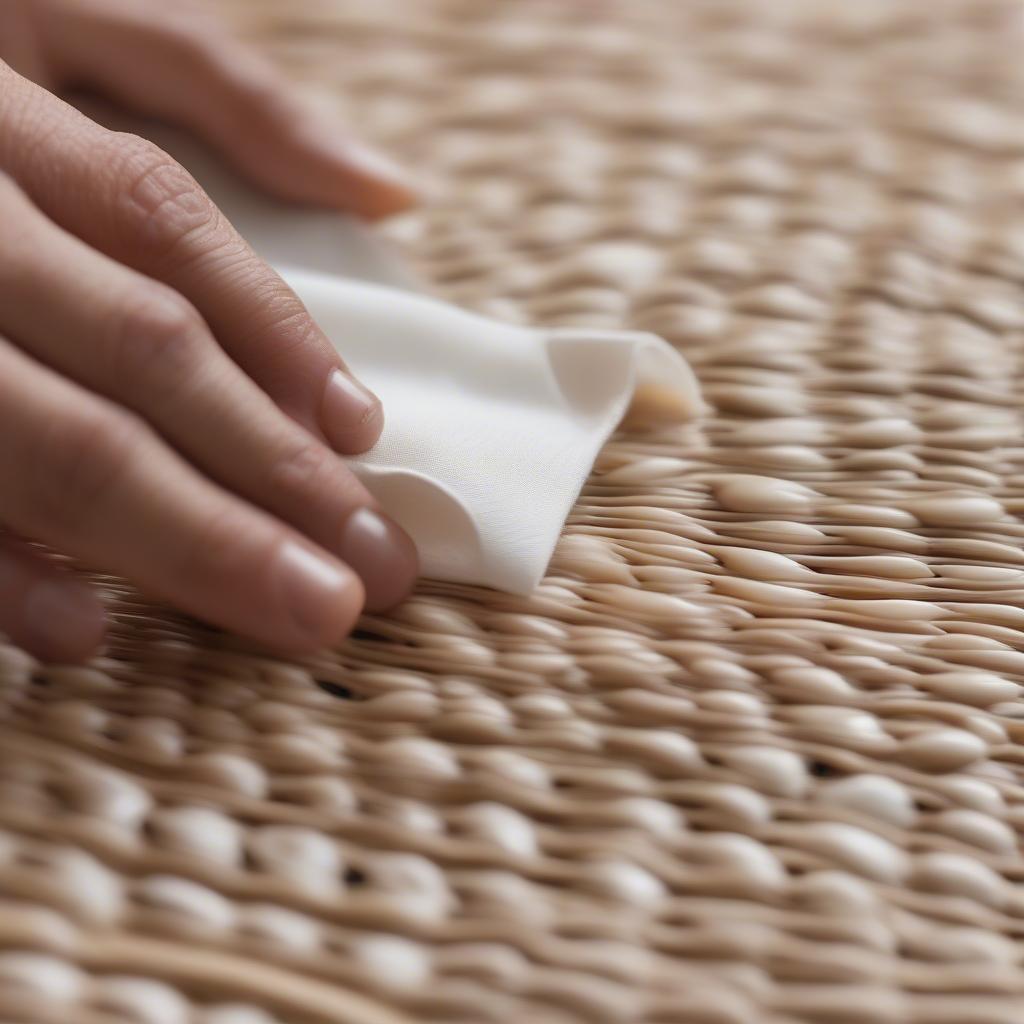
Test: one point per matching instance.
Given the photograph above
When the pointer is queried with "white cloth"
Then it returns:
(491, 429)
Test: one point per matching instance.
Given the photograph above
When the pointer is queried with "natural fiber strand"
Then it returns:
(752, 753)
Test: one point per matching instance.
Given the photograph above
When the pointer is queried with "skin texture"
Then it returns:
(168, 409)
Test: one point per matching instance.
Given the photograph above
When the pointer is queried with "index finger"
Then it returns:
(129, 199)
(91, 480)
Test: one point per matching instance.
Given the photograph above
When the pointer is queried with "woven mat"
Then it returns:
(752, 753)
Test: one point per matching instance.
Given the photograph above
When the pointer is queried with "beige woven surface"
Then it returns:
(752, 754)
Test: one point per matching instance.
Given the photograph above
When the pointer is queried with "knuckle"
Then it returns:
(162, 206)
(203, 43)
(84, 456)
(229, 546)
(285, 333)
(154, 340)
(298, 471)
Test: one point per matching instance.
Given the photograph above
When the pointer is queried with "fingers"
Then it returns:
(93, 481)
(131, 201)
(187, 68)
(138, 342)
(44, 609)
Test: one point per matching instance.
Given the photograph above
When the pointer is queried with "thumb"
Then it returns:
(188, 69)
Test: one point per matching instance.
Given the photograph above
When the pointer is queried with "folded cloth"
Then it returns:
(491, 429)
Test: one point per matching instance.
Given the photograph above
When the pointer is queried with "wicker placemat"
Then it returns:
(752, 754)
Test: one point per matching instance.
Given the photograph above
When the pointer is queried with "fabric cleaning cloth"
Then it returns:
(491, 429)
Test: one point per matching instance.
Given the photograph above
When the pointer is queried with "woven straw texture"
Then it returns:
(752, 753)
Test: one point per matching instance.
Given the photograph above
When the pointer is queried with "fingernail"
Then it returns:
(376, 164)
(317, 595)
(63, 621)
(324, 127)
(382, 187)
(351, 414)
(383, 555)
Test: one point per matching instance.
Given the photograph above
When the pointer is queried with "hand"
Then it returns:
(174, 61)
(168, 410)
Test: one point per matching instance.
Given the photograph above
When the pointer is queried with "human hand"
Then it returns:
(176, 62)
(168, 410)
